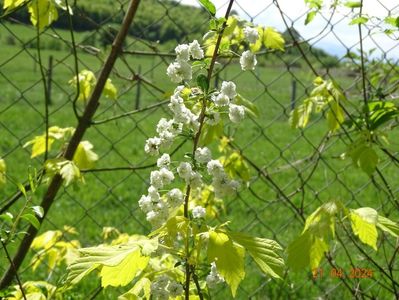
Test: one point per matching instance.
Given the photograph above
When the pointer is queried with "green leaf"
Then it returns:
(387, 225)
(363, 156)
(363, 222)
(11, 4)
(39, 145)
(299, 252)
(316, 252)
(84, 157)
(235, 166)
(353, 4)
(273, 39)
(209, 6)
(229, 258)
(7, 217)
(335, 116)
(42, 13)
(142, 289)
(211, 133)
(250, 107)
(202, 82)
(368, 160)
(310, 16)
(263, 251)
(3, 169)
(32, 220)
(118, 264)
(123, 273)
(359, 20)
(87, 81)
(300, 116)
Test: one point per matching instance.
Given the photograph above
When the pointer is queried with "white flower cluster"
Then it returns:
(191, 177)
(198, 212)
(251, 34)
(213, 277)
(153, 204)
(181, 69)
(248, 60)
(222, 185)
(164, 287)
(226, 98)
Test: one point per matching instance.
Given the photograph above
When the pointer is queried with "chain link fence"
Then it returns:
(292, 171)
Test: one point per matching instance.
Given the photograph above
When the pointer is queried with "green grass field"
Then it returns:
(110, 198)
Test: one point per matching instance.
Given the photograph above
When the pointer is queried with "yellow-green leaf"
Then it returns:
(110, 90)
(84, 157)
(87, 81)
(263, 251)
(142, 289)
(42, 13)
(11, 4)
(123, 273)
(387, 225)
(299, 117)
(229, 258)
(110, 256)
(316, 252)
(69, 172)
(39, 145)
(298, 252)
(363, 222)
(273, 39)
(3, 169)
(335, 116)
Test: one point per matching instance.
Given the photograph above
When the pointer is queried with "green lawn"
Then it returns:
(110, 198)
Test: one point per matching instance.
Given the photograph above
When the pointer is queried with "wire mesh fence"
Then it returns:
(292, 172)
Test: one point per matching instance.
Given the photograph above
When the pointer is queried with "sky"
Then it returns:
(264, 12)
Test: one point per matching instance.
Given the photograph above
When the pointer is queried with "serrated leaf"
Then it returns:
(229, 259)
(84, 157)
(32, 220)
(123, 273)
(363, 223)
(87, 81)
(316, 252)
(231, 25)
(387, 225)
(209, 6)
(263, 251)
(42, 13)
(273, 39)
(39, 145)
(109, 256)
(142, 289)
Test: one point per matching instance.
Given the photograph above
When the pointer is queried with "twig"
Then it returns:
(13, 266)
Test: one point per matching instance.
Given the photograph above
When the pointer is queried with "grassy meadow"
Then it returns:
(110, 198)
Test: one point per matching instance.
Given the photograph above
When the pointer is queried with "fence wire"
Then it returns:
(292, 171)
